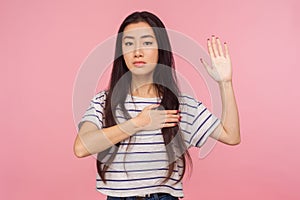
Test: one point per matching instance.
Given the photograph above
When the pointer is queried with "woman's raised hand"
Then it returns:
(151, 118)
(221, 70)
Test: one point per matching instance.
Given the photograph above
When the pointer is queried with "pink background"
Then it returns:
(43, 44)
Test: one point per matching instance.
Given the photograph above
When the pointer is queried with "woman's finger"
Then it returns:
(168, 125)
(168, 120)
(210, 49)
(226, 50)
(220, 47)
(166, 112)
(214, 46)
(208, 68)
(173, 115)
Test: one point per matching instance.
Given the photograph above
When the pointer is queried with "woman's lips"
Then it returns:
(139, 63)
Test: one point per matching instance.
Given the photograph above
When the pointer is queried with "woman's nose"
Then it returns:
(138, 52)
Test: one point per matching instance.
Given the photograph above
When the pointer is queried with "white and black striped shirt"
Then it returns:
(141, 168)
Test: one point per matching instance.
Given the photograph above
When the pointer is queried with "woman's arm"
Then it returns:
(228, 131)
(90, 140)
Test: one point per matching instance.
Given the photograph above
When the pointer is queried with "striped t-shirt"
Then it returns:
(141, 168)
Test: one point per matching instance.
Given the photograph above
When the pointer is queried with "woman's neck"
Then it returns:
(142, 88)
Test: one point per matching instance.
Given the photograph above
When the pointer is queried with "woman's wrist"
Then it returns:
(130, 127)
(225, 83)
(136, 125)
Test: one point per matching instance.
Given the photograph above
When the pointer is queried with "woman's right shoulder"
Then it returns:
(100, 96)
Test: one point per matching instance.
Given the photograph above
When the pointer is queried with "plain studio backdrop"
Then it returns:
(44, 43)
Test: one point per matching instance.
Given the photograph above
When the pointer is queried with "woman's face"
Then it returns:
(140, 49)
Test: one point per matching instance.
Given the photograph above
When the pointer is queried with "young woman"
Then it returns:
(141, 127)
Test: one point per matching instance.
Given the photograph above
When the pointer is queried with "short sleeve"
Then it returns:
(95, 111)
(197, 121)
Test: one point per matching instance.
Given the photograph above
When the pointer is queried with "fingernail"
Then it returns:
(213, 36)
(207, 39)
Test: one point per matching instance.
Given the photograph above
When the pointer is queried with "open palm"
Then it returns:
(221, 70)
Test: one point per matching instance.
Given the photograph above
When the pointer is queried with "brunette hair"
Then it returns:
(165, 82)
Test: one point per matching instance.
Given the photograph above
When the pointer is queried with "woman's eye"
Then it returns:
(148, 43)
(128, 43)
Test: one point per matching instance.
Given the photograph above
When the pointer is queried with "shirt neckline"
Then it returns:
(137, 97)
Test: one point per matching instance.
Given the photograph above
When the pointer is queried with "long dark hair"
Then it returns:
(165, 82)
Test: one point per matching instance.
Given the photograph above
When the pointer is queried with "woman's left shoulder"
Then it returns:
(184, 99)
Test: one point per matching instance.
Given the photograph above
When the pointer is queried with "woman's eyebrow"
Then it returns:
(129, 37)
(146, 36)
(143, 36)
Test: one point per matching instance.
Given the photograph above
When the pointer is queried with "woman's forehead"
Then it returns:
(138, 30)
